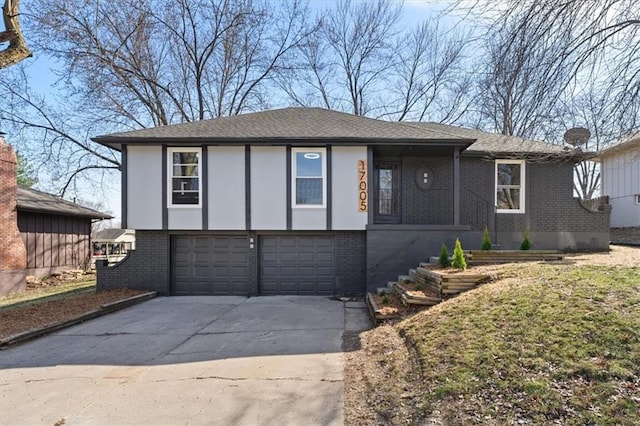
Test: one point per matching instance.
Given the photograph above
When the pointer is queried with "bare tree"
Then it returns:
(51, 137)
(162, 62)
(527, 70)
(17, 49)
(130, 64)
(432, 76)
(345, 65)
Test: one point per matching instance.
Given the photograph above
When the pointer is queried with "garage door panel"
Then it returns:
(214, 265)
(325, 257)
(306, 257)
(297, 265)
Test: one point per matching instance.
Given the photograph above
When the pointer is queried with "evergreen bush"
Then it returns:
(444, 256)
(458, 261)
(486, 240)
(526, 244)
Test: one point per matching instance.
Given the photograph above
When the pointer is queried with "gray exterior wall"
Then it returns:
(344, 186)
(621, 182)
(226, 187)
(351, 262)
(308, 218)
(554, 218)
(144, 187)
(268, 188)
(392, 250)
(148, 267)
(185, 218)
(433, 206)
(145, 268)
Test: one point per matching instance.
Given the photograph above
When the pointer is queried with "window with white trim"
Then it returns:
(184, 177)
(510, 186)
(309, 171)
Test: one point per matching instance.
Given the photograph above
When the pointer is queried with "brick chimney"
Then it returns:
(13, 255)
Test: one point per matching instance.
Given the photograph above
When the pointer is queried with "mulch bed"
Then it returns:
(416, 290)
(25, 318)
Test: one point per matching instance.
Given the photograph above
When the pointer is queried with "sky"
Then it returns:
(41, 72)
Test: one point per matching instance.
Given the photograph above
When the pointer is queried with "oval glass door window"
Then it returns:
(424, 177)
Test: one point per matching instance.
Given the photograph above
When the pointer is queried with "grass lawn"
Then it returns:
(548, 343)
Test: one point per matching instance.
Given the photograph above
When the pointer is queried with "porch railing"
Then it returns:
(479, 212)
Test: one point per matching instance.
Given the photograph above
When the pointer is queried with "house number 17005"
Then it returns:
(363, 194)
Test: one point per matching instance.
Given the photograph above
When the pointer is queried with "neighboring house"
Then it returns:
(620, 174)
(311, 201)
(112, 244)
(40, 233)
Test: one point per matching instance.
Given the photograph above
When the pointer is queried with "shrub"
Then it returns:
(526, 244)
(486, 240)
(444, 256)
(458, 261)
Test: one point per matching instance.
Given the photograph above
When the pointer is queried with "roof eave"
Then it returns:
(561, 156)
(116, 143)
(100, 216)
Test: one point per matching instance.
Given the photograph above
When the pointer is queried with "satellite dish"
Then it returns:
(577, 136)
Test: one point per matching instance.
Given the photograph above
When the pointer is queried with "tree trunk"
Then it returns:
(17, 49)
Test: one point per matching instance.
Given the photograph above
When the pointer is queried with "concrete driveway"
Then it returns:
(187, 360)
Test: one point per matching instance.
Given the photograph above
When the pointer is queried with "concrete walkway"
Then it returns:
(187, 360)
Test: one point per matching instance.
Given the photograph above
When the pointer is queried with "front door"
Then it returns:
(387, 192)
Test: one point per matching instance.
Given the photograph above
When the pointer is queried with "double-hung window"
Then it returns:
(510, 186)
(309, 170)
(184, 176)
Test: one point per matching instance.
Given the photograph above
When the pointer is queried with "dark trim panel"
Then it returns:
(204, 178)
(456, 186)
(370, 185)
(165, 208)
(329, 189)
(123, 183)
(288, 186)
(247, 186)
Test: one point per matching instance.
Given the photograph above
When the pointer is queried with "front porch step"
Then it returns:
(404, 278)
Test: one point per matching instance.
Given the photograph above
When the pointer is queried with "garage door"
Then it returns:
(297, 265)
(209, 265)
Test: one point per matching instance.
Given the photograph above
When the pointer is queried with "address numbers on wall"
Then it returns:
(363, 193)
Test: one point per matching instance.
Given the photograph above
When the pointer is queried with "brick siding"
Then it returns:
(351, 262)
(13, 254)
(145, 268)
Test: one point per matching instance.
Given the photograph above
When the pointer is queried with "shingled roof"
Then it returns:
(631, 142)
(36, 201)
(494, 142)
(287, 125)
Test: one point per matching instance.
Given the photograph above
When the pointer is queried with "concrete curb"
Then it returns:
(107, 308)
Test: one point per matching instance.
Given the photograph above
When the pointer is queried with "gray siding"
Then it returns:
(185, 218)
(309, 218)
(344, 167)
(226, 188)
(144, 187)
(268, 188)
(621, 181)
